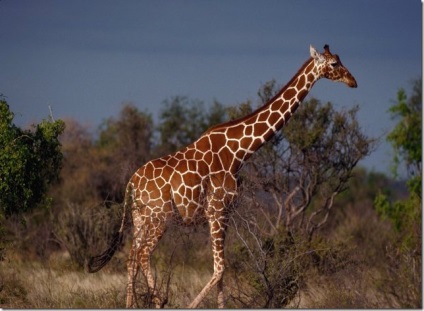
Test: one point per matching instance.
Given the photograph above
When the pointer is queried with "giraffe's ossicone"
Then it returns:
(200, 181)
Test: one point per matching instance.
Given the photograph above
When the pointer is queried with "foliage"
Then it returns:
(94, 176)
(263, 268)
(406, 141)
(30, 161)
(404, 251)
(406, 137)
(124, 144)
(82, 229)
(98, 169)
(269, 271)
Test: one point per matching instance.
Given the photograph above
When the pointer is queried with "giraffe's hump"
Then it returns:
(221, 126)
(203, 144)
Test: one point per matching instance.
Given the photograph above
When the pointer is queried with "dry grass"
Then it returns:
(347, 290)
(186, 283)
(29, 285)
(34, 286)
(75, 290)
(57, 284)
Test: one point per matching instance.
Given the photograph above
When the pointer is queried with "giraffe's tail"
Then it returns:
(96, 263)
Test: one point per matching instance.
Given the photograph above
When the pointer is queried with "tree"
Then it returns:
(404, 252)
(94, 176)
(406, 137)
(30, 161)
(124, 145)
(287, 194)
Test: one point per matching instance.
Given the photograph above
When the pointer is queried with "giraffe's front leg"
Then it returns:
(218, 229)
(217, 225)
(221, 300)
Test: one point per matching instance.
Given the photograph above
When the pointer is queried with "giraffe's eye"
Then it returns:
(334, 65)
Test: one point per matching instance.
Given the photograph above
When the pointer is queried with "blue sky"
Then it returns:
(86, 58)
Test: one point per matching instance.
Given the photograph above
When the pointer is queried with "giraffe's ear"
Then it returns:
(316, 55)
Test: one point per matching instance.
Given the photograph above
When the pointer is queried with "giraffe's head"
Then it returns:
(329, 66)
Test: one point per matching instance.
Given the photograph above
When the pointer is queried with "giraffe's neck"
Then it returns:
(271, 117)
(246, 135)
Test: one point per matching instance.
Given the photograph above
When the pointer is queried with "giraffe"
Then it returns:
(200, 181)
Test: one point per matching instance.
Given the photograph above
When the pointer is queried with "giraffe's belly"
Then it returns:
(189, 203)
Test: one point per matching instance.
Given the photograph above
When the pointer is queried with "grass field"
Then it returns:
(359, 271)
(56, 284)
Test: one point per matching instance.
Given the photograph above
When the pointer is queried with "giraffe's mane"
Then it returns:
(263, 107)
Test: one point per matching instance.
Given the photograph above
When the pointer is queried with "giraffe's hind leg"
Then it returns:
(133, 268)
(144, 244)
